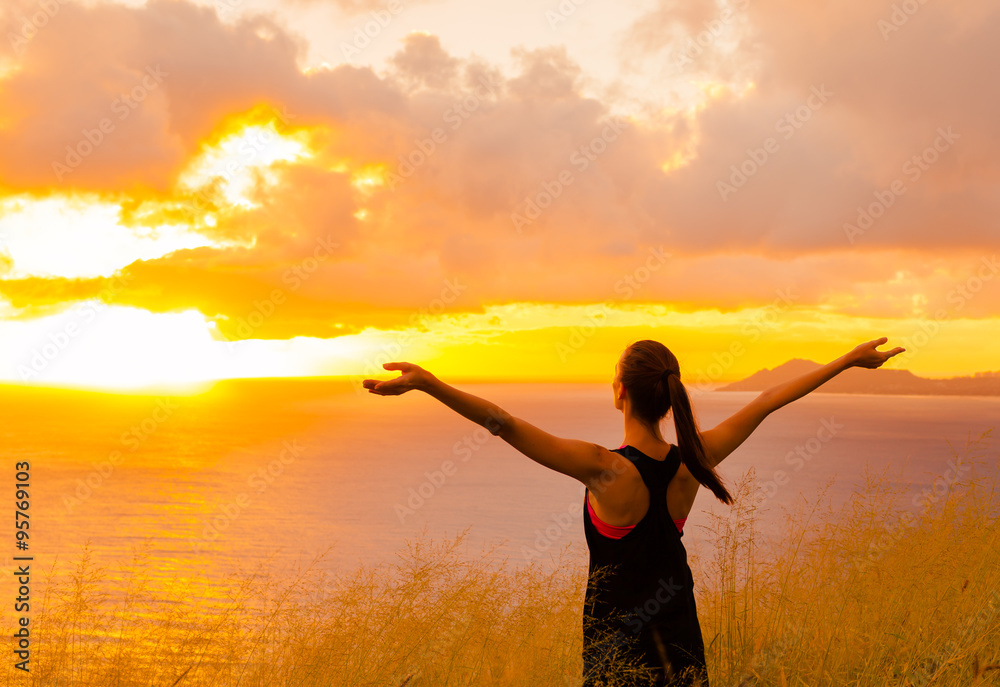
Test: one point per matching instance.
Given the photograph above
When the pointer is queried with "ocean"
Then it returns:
(281, 470)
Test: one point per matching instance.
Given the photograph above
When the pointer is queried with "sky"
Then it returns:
(493, 190)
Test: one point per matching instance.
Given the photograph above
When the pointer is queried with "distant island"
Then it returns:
(860, 380)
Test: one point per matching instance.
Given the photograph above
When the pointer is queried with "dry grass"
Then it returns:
(868, 595)
(863, 596)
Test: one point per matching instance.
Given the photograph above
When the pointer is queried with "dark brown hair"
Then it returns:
(651, 376)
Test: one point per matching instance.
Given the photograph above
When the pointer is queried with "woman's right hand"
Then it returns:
(866, 355)
(413, 377)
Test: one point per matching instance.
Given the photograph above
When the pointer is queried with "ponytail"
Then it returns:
(689, 441)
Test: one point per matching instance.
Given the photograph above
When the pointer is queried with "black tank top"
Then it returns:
(642, 602)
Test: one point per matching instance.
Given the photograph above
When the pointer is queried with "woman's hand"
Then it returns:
(865, 355)
(413, 377)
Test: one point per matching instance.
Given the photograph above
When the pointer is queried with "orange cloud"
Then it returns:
(521, 187)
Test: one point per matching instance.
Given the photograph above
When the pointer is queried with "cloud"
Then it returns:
(356, 7)
(521, 187)
(905, 105)
(423, 62)
(161, 78)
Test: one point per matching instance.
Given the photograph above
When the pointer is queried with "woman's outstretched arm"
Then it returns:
(728, 435)
(582, 460)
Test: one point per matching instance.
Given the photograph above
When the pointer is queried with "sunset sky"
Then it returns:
(493, 190)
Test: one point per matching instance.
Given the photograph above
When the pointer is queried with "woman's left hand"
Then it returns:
(868, 355)
(413, 377)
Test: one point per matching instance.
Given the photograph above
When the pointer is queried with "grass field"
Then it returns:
(866, 595)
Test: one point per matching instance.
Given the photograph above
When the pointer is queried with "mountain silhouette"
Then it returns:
(860, 380)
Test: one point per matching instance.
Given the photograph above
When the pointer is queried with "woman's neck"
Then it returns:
(639, 435)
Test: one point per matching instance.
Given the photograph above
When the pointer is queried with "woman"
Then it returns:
(640, 600)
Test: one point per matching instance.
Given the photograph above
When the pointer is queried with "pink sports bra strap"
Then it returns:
(619, 531)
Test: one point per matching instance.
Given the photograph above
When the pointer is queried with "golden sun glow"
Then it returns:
(55, 236)
(368, 178)
(678, 159)
(241, 153)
